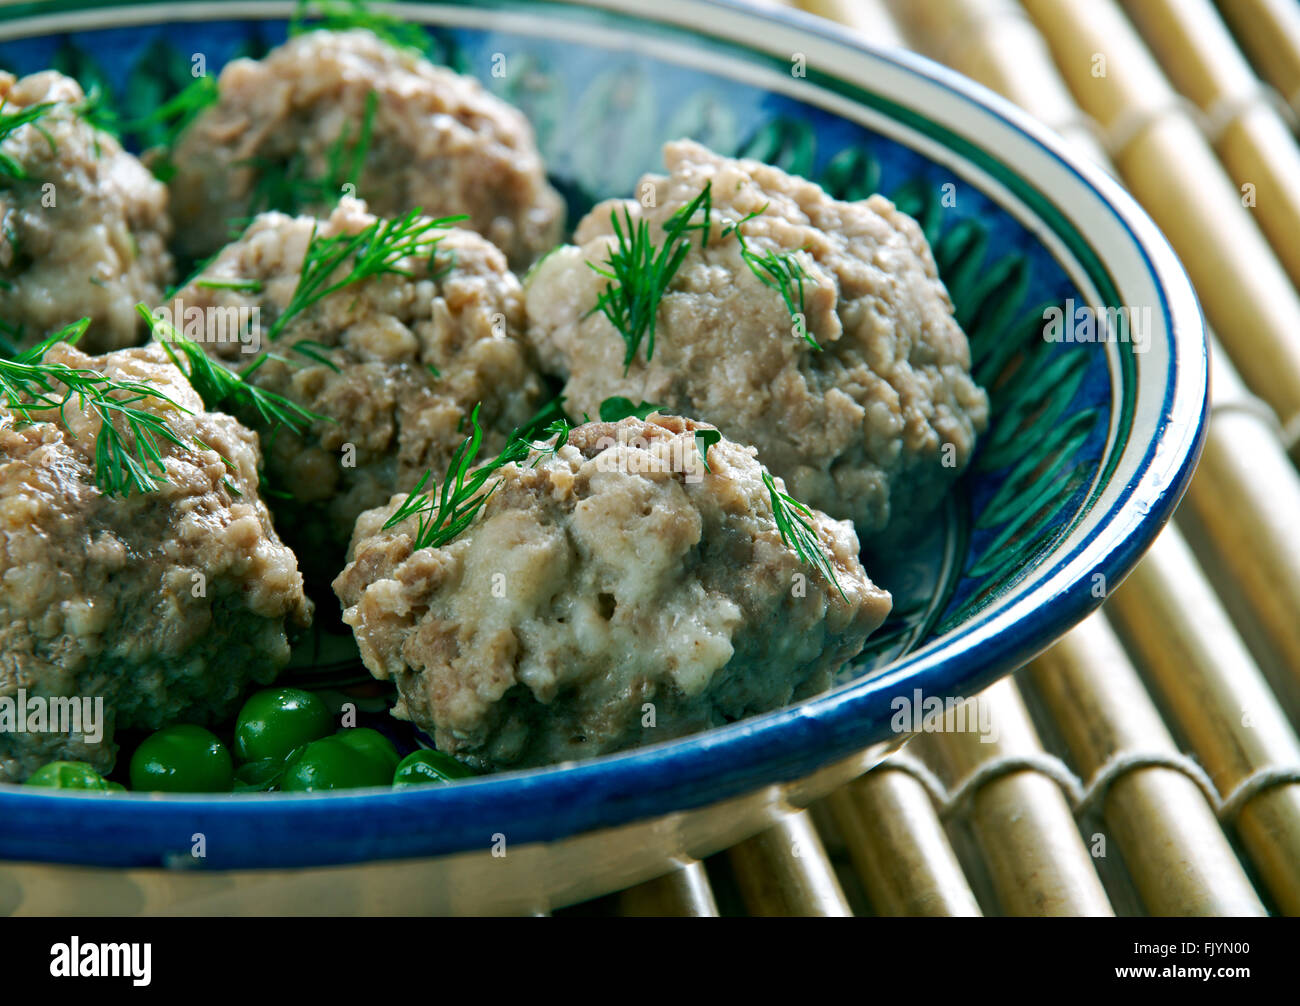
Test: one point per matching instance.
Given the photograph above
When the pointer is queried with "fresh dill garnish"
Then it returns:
(160, 127)
(230, 486)
(10, 122)
(250, 285)
(617, 407)
(790, 516)
(224, 389)
(341, 15)
(433, 370)
(541, 421)
(704, 439)
(779, 270)
(375, 250)
(31, 388)
(638, 274)
(784, 273)
(287, 185)
(315, 351)
(442, 515)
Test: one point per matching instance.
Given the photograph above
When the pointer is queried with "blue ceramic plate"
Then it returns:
(1090, 447)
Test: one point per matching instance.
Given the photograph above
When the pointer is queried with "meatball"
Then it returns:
(83, 225)
(611, 594)
(393, 363)
(166, 604)
(437, 141)
(873, 426)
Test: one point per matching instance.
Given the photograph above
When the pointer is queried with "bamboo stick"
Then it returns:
(1022, 822)
(1256, 146)
(1189, 650)
(989, 41)
(785, 871)
(1245, 498)
(1241, 495)
(1176, 854)
(898, 847)
(1269, 31)
(683, 893)
(1245, 493)
(1164, 159)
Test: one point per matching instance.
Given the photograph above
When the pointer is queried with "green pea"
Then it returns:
(329, 763)
(182, 759)
(373, 745)
(69, 775)
(259, 776)
(425, 768)
(276, 721)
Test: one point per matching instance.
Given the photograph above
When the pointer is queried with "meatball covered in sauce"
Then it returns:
(612, 594)
(161, 605)
(420, 137)
(873, 424)
(393, 364)
(83, 224)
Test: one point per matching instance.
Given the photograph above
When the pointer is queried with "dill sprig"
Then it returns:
(443, 515)
(784, 273)
(287, 186)
(32, 388)
(223, 389)
(704, 439)
(341, 15)
(791, 521)
(638, 274)
(11, 122)
(375, 250)
(617, 407)
(160, 127)
(218, 283)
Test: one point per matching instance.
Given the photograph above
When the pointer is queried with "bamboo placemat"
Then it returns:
(1149, 762)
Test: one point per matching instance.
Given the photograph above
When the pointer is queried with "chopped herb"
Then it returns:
(681, 219)
(616, 408)
(790, 516)
(11, 122)
(162, 126)
(433, 370)
(287, 185)
(30, 387)
(341, 15)
(251, 285)
(223, 389)
(639, 274)
(443, 515)
(779, 270)
(315, 351)
(784, 273)
(543, 419)
(704, 439)
(230, 486)
(374, 251)
(734, 228)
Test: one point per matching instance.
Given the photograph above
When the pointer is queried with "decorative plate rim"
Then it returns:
(778, 747)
